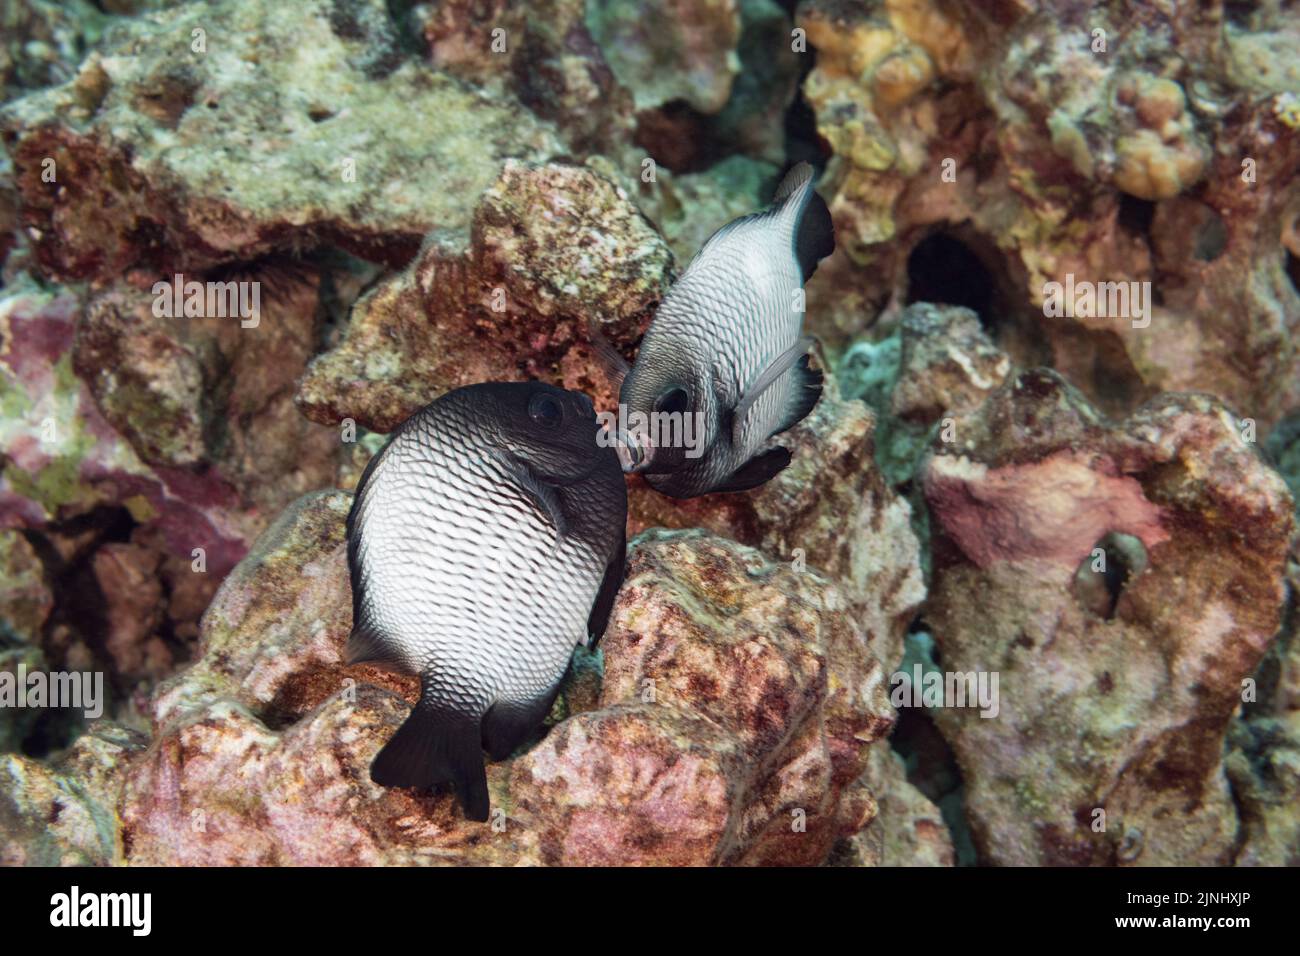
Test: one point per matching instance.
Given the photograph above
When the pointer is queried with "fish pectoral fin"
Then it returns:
(437, 745)
(804, 396)
(508, 723)
(609, 587)
(757, 471)
(769, 377)
(544, 496)
(610, 359)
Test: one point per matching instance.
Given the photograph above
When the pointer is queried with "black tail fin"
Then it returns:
(437, 745)
(814, 237)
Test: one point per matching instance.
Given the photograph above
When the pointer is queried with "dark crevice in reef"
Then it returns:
(930, 764)
(677, 136)
(1212, 238)
(408, 39)
(943, 269)
(80, 611)
(932, 769)
(685, 140)
(1136, 215)
(802, 141)
(1293, 271)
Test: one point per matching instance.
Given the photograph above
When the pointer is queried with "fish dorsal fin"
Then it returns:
(795, 179)
(813, 230)
(775, 369)
(800, 175)
(796, 207)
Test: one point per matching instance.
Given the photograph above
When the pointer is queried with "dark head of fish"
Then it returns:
(665, 384)
(553, 431)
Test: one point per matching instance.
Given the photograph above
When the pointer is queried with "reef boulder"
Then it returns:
(1122, 581)
(735, 717)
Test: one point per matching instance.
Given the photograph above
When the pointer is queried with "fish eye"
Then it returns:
(545, 409)
(673, 401)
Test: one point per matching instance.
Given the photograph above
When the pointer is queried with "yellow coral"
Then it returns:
(1149, 169)
(901, 76)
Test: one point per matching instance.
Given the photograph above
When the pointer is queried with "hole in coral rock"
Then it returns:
(1115, 560)
(77, 629)
(944, 269)
(1241, 13)
(676, 135)
(1136, 215)
(1293, 271)
(932, 768)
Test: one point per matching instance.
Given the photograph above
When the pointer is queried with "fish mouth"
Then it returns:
(635, 451)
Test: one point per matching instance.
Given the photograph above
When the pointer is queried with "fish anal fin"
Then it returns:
(804, 395)
(598, 621)
(508, 723)
(437, 745)
(757, 471)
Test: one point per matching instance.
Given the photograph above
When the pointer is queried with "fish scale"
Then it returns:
(426, 595)
(462, 578)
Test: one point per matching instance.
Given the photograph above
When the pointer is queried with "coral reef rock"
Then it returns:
(217, 132)
(735, 718)
(907, 829)
(63, 813)
(1122, 581)
(1052, 143)
(830, 510)
(552, 249)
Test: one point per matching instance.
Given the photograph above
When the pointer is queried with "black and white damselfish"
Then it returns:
(726, 347)
(485, 541)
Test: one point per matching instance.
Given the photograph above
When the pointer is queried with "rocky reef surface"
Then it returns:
(1090, 510)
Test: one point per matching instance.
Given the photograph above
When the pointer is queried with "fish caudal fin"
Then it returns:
(435, 746)
(804, 395)
(814, 232)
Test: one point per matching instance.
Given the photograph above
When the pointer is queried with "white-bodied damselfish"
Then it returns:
(485, 541)
(726, 348)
